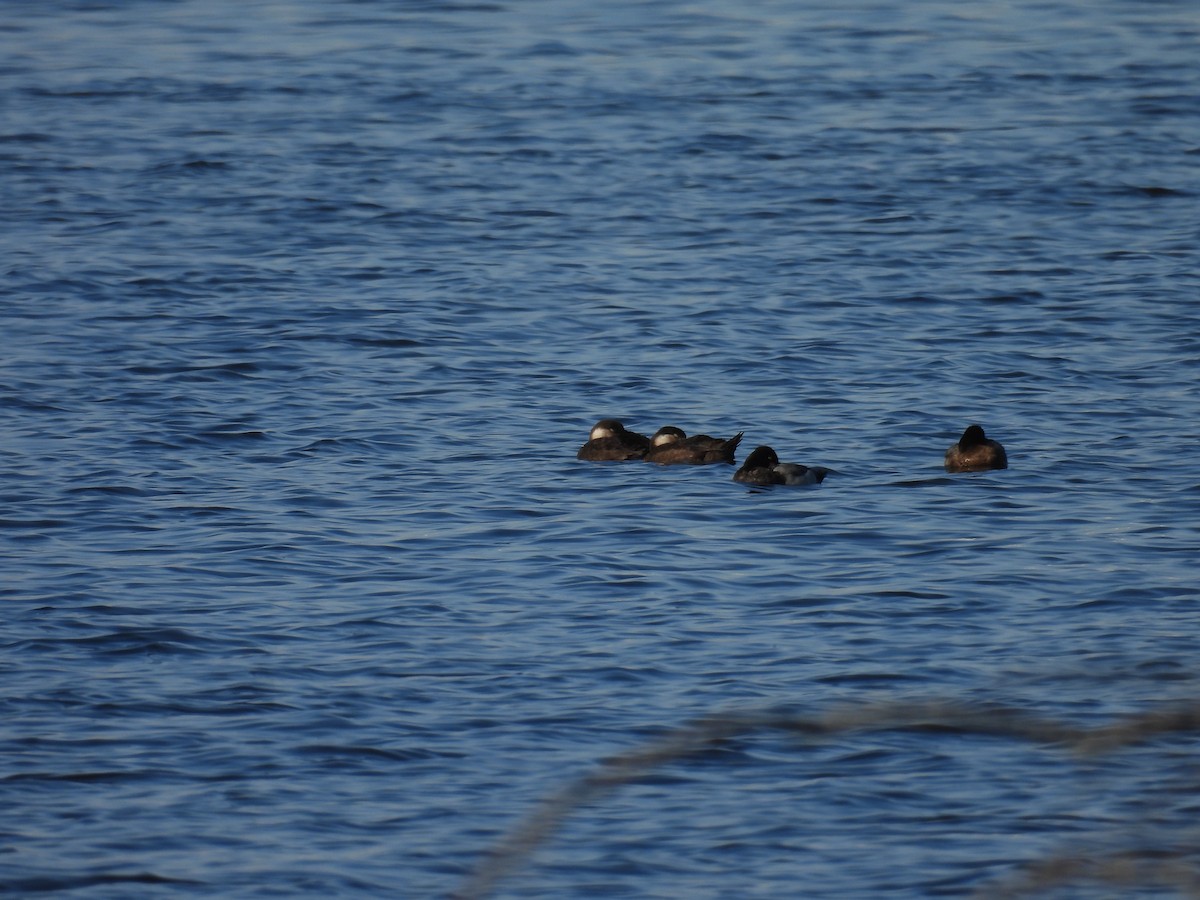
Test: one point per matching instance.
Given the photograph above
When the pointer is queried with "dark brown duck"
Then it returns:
(762, 466)
(974, 452)
(671, 446)
(610, 441)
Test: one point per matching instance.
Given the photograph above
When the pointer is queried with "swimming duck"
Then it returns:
(670, 446)
(609, 440)
(975, 452)
(762, 466)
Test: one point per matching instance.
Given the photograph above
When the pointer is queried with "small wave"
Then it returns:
(523, 213)
(126, 641)
(32, 524)
(48, 884)
(345, 751)
(232, 436)
(231, 368)
(84, 777)
(111, 490)
(26, 137)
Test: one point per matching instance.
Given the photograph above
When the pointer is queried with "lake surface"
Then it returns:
(307, 307)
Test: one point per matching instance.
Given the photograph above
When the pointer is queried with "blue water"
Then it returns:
(308, 305)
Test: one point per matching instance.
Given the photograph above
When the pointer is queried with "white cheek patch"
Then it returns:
(665, 439)
(600, 433)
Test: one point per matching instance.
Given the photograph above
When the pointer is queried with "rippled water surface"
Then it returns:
(307, 307)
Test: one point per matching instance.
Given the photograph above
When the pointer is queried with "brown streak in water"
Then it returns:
(702, 734)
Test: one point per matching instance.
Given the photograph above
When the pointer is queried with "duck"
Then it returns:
(670, 446)
(975, 452)
(609, 440)
(762, 466)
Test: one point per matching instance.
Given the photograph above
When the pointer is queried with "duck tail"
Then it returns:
(730, 447)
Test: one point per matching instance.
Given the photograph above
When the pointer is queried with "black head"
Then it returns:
(972, 437)
(761, 458)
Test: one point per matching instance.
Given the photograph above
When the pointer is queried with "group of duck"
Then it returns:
(610, 440)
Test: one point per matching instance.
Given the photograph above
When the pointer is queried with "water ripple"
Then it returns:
(309, 308)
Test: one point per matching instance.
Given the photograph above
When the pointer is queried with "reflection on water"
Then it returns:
(1132, 868)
